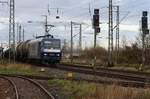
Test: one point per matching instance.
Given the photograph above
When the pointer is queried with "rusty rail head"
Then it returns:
(14, 86)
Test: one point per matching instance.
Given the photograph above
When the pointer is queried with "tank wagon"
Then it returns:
(41, 49)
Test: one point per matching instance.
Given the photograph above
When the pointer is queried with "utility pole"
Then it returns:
(17, 24)
(20, 32)
(71, 50)
(46, 26)
(72, 36)
(12, 30)
(23, 37)
(117, 34)
(95, 38)
(143, 50)
(110, 35)
(80, 38)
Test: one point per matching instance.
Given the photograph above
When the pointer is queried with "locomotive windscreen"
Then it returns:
(52, 44)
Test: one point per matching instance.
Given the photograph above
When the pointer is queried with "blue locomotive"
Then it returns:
(42, 49)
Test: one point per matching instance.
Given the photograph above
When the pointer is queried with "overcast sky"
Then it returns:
(73, 10)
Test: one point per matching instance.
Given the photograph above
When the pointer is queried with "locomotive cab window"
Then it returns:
(55, 44)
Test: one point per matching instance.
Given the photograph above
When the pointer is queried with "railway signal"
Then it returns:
(145, 23)
(96, 18)
(145, 31)
(96, 24)
(96, 27)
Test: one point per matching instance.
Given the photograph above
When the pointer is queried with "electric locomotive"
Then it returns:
(45, 49)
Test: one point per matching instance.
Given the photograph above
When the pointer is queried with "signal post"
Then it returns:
(145, 31)
(96, 31)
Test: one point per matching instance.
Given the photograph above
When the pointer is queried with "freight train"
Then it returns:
(45, 49)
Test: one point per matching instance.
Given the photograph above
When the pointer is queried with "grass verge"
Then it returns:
(84, 90)
(22, 69)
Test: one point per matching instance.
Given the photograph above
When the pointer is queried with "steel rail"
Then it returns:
(108, 69)
(105, 73)
(38, 85)
(124, 83)
(14, 86)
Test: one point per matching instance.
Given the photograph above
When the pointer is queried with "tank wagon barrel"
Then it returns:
(22, 50)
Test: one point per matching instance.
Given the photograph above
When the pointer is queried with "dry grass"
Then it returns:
(116, 92)
(84, 90)
(17, 68)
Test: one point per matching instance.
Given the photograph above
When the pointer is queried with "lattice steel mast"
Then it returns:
(12, 30)
(117, 34)
(110, 34)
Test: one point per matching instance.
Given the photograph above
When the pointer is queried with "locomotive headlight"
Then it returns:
(58, 54)
(45, 54)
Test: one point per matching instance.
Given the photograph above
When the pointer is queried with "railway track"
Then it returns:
(137, 73)
(123, 78)
(132, 74)
(15, 90)
(124, 83)
(26, 88)
(127, 76)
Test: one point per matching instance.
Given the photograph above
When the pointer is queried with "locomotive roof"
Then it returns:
(36, 40)
(41, 39)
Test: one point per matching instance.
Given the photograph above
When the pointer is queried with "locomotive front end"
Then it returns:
(51, 50)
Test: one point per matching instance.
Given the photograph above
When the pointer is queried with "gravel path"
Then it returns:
(27, 90)
(6, 90)
(56, 91)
